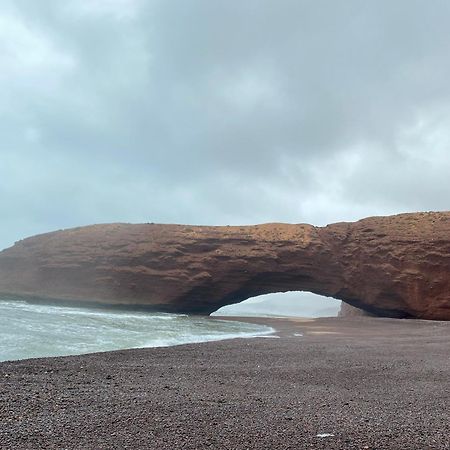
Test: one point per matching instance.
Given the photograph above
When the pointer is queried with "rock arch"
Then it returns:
(396, 266)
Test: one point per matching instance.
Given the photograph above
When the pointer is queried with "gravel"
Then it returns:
(360, 383)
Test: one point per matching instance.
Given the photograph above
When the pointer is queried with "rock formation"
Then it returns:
(397, 266)
(347, 310)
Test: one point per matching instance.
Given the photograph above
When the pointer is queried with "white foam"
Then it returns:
(36, 330)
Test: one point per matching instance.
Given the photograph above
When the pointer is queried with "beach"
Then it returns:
(329, 383)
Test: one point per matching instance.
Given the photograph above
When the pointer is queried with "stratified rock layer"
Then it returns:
(396, 266)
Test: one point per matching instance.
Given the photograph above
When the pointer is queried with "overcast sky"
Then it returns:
(221, 112)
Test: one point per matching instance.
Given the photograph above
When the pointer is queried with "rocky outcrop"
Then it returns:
(347, 310)
(397, 266)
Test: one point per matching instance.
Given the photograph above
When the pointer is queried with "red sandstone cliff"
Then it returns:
(395, 266)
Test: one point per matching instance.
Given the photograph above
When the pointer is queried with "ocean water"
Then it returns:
(30, 330)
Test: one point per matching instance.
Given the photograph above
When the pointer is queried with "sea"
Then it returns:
(30, 330)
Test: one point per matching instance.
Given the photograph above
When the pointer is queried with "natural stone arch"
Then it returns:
(396, 266)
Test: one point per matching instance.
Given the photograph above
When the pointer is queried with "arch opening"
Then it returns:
(284, 304)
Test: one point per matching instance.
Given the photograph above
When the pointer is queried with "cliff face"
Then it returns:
(396, 266)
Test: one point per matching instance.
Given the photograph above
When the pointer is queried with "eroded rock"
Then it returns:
(397, 266)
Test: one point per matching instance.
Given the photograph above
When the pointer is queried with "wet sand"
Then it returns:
(359, 383)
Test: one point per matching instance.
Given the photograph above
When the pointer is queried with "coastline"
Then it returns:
(29, 331)
(370, 383)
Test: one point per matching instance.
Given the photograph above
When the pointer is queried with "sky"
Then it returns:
(221, 112)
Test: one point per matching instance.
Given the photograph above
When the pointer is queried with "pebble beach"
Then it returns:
(330, 383)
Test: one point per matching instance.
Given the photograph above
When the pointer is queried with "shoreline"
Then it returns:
(325, 383)
(195, 332)
(276, 324)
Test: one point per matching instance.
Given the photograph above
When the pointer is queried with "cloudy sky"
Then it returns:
(221, 112)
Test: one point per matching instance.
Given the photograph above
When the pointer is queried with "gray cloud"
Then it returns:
(221, 112)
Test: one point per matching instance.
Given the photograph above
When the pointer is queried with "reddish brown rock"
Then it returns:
(347, 310)
(395, 266)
